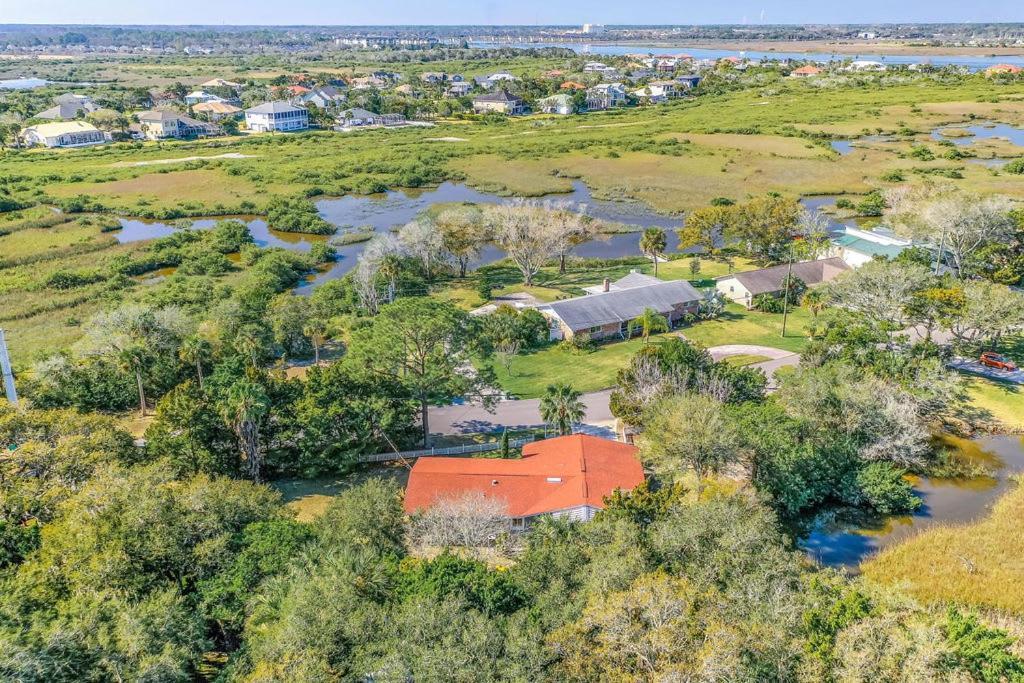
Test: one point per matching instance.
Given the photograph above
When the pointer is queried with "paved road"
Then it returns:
(974, 367)
(472, 418)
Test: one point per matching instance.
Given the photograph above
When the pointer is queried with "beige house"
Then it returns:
(743, 287)
(499, 102)
(217, 110)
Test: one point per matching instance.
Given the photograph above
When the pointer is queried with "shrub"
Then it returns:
(296, 214)
(767, 303)
(321, 252)
(884, 488)
(891, 177)
(1016, 167)
(872, 205)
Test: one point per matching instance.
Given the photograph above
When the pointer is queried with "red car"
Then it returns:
(994, 360)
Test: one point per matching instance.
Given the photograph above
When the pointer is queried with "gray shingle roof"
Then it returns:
(273, 108)
(633, 280)
(771, 279)
(499, 96)
(624, 304)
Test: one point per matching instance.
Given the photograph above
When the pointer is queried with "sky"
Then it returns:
(333, 12)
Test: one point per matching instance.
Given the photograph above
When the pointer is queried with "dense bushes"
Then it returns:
(296, 214)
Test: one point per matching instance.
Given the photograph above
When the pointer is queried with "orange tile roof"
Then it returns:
(554, 474)
(809, 70)
(572, 85)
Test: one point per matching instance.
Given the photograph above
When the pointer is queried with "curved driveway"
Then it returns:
(470, 418)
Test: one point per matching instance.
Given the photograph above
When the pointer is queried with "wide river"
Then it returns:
(972, 62)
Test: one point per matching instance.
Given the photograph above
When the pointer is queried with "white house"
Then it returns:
(556, 104)
(198, 96)
(657, 92)
(276, 116)
(64, 134)
(606, 96)
(866, 65)
(361, 117)
(324, 97)
(856, 247)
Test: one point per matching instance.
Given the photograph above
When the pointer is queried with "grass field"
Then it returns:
(1002, 400)
(676, 157)
(980, 565)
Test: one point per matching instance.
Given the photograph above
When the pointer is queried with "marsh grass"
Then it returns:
(979, 565)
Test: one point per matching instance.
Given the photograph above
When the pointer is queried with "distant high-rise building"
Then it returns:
(593, 28)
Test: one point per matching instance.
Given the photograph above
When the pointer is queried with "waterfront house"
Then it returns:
(324, 97)
(806, 72)
(357, 117)
(215, 111)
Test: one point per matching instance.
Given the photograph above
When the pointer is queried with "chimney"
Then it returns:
(607, 284)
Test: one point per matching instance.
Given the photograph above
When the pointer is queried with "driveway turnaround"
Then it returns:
(778, 358)
(472, 418)
(972, 366)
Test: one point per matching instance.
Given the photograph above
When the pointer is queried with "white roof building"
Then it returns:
(64, 134)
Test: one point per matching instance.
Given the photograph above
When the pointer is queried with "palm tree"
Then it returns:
(316, 330)
(653, 243)
(243, 409)
(561, 406)
(814, 300)
(648, 323)
(194, 351)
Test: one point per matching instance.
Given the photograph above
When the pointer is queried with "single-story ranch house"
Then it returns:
(567, 477)
(608, 312)
(64, 134)
(856, 247)
(743, 287)
(363, 117)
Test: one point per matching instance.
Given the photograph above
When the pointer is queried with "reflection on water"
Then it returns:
(386, 211)
(981, 132)
(845, 539)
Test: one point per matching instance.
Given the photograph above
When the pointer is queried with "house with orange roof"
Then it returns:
(572, 85)
(806, 71)
(566, 477)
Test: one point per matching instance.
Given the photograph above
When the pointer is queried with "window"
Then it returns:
(595, 329)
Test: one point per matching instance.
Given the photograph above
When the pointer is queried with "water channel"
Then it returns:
(846, 540)
(386, 211)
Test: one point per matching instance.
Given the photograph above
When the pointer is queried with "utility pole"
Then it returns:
(785, 292)
(5, 368)
(939, 254)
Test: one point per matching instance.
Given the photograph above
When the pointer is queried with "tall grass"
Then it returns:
(980, 564)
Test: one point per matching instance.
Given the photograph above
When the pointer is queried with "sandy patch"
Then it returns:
(155, 162)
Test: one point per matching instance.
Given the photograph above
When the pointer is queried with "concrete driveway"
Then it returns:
(777, 358)
(972, 366)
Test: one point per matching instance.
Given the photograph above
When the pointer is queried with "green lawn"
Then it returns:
(1004, 401)
(740, 326)
(596, 370)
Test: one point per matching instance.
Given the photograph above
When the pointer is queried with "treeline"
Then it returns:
(117, 565)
